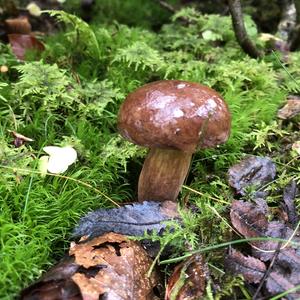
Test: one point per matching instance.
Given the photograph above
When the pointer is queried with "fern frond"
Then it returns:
(141, 56)
(81, 31)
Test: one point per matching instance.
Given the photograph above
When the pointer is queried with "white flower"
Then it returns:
(59, 159)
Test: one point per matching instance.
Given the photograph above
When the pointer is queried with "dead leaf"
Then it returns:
(134, 219)
(20, 139)
(251, 268)
(110, 266)
(291, 109)
(123, 267)
(188, 281)
(289, 194)
(253, 171)
(20, 43)
(19, 25)
(279, 283)
(55, 284)
(251, 220)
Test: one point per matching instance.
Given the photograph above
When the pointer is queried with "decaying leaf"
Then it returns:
(123, 267)
(134, 220)
(279, 283)
(289, 194)
(55, 284)
(18, 26)
(251, 268)
(251, 220)
(253, 171)
(20, 43)
(110, 266)
(188, 281)
(20, 139)
(291, 109)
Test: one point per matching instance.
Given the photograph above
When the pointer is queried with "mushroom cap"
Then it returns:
(175, 114)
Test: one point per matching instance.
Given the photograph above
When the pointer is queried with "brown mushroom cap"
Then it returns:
(175, 114)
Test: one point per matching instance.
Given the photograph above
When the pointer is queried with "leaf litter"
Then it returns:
(109, 266)
(273, 264)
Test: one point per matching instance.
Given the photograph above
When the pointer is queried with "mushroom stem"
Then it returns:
(163, 174)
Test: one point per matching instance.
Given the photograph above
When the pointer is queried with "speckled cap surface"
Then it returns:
(175, 114)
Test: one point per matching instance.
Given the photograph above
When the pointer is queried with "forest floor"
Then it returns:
(62, 81)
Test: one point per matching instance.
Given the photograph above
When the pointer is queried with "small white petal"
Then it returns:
(52, 150)
(60, 158)
(69, 154)
(56, 165)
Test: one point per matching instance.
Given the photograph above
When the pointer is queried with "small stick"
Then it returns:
(240, 31)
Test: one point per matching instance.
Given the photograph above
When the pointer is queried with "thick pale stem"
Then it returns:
(163, 174)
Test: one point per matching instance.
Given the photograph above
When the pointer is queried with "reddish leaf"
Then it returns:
(18, 25)
(188, 280)
(251, 268)
(20, 43)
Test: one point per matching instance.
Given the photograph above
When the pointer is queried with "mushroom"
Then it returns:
(173, 118)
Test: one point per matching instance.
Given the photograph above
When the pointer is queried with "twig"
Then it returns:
(172, 9)
(239, 29)
(166, 5)
(268, 271)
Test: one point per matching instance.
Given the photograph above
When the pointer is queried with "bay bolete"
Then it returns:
(173, 118)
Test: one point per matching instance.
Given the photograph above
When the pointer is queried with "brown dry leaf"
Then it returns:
(249, 219)
(251, 268)
(252, 171)
(55, 284)
(20, 139)
(278, 282)
(20, 43)
(188, 281)
(18, 25)
(122, 268)
(291, 109)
